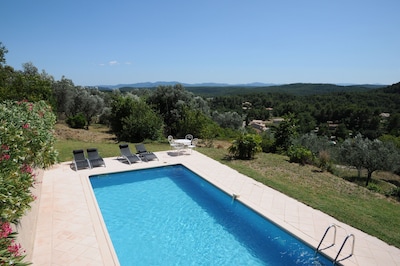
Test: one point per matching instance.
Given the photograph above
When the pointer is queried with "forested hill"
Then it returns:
(395, 88)
(299, 89)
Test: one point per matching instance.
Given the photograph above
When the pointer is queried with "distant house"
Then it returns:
(246, 105)
(384, 115)
(332, 126)
(258, 125)
(277, 120)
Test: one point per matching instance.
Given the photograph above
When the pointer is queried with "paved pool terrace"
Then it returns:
(70, 229)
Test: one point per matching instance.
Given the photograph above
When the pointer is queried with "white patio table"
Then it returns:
(185, 142)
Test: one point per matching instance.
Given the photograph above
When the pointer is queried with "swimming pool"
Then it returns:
(171, 216)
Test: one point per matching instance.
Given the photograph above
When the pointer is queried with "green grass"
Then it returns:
(352, 204)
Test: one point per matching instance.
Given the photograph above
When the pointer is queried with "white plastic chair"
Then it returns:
(176, 146)
(193, 144)
(189, 137)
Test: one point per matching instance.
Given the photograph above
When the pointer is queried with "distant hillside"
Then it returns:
(301, 89)
(395, 88)
(219, 89)
(172, 83)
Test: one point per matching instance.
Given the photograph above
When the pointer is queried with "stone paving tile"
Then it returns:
(70, 229)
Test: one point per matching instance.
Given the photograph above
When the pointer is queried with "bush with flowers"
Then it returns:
(26, 142)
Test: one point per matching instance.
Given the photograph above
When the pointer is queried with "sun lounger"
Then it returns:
(127, 155)
(144, 154)
(94, 158)
(80, 161)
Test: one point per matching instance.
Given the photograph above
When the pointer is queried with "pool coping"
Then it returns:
(57, 244)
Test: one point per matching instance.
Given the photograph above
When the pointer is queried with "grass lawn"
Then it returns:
(370, 212)
(348, 202)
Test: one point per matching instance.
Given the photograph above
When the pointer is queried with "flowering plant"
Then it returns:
(13, 254)
(26, 142)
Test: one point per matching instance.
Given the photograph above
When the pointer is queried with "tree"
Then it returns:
(3, 51)
(25, 85)
(85, 101)
(351, 152)
(193, 121)
(306, 122)
(341, 132)
(371, 155)
(170, 102)
(380, 156)
(133, 120)
(230, 120)
(286, 131)
(393, 126)
(313, 142)
(63, 91)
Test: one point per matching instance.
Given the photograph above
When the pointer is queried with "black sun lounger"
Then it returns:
(144, 154)
(80, 161)
(127, 155)
(94, 158)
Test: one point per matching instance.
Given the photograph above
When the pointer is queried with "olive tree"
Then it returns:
(78, 101)
(230, 120)
(63, 91)
(179, 109)
(351, 152)
(371, 155)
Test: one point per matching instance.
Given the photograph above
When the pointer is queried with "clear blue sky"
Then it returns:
(228, 41)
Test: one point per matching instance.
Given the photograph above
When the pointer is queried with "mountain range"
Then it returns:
(213, 84)
(171, 83)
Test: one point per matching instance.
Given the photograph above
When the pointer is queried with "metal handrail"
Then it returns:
(340, 250)
(323, 237)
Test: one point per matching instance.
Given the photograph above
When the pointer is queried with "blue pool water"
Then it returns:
(171, 216)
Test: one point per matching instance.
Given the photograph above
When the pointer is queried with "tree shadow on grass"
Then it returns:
(356, 179)
(394, 182)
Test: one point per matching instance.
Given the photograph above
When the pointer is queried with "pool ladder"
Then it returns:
(334, 226)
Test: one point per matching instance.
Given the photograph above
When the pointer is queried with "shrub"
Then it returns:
(26, 142)
(246, 146)
(299, 154)
(10, 251)
(394, 192)
(77, 121)
(268, 142)
(324, 159)
(373, 187)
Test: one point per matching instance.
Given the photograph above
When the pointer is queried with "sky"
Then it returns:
(106, 42)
